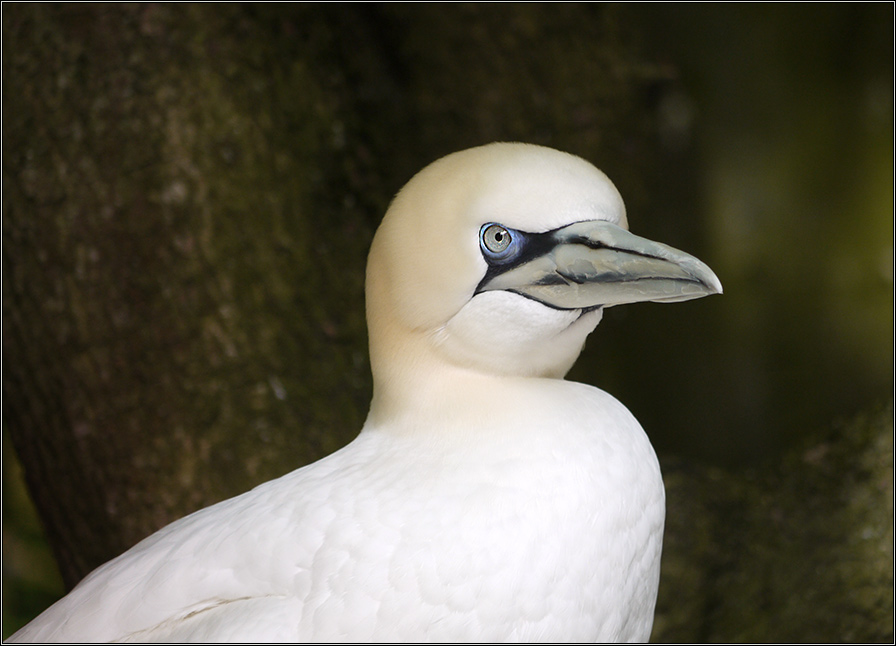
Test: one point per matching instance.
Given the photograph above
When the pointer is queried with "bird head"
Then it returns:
(500, 259)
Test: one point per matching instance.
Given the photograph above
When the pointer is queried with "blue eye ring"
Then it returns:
(498, 243)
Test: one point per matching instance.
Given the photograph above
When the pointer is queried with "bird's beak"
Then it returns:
(595, 263)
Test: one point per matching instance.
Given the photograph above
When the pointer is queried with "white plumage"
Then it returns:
(486, 499)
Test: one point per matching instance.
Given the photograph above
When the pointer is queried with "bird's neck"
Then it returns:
(414, 385)
(412, 382)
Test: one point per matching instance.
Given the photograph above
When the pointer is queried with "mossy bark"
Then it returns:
(174, 292)
(798, 550)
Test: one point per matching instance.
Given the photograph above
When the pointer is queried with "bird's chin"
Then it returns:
(589, 317)
(505, 333)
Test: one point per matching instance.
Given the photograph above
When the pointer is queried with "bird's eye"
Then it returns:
(495, 239)
(499, 244)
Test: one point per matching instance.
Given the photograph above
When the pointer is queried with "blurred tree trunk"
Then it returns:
(174, 295)
(798, 550)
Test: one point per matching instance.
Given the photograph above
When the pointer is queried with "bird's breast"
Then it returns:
(534, 530)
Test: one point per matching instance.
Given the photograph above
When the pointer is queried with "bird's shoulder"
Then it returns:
(247, 547)
(440, 515)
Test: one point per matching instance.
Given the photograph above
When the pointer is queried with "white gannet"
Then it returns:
(485, 499)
